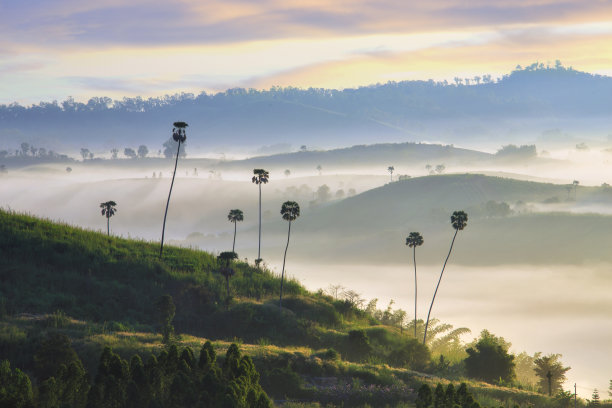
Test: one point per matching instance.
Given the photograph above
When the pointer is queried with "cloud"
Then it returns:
(500, 54)
(154, 22)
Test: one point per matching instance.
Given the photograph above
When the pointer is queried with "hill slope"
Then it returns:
(510, 221)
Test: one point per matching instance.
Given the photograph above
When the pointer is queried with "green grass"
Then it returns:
(101, 291)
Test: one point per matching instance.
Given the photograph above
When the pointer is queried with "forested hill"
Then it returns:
(395, 111)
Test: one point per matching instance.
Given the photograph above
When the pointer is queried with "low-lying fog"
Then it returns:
(559, 303)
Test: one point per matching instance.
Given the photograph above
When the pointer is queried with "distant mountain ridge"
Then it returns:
(395, 111)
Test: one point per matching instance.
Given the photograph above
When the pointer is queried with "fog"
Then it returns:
(548, 309)
(539, 276)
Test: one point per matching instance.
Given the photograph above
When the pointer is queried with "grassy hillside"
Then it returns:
(101, 291)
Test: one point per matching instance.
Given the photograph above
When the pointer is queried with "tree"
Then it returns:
(459, 222)
(595, 402)
(440, 168)
(424, 397)
(610, 389)
(84, 152)
(414, 240)
(320, 169)
(290, 210)
(287, 172)
(575, 183)
(225, 258)
(260, 177)
(15, 387)
(179, 135)
(114, 152)
(323, 193)
(390, 169)
(25, 149)
(169, 150)
(488, 360)
(358, 347)
(143, 151)
(165, 314)
(550, 372)
(235, 216)
(129, 152)
(108, 210)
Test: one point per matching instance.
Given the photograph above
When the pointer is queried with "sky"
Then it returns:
(52, 49)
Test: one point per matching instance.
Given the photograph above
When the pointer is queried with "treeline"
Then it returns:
(483, 92)
(173, 379)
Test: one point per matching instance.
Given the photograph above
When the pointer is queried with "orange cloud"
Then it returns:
(587, 52)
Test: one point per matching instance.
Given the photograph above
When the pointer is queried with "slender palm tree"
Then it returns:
(179, 135)
(575, 183)
(391, 169)
(260, 177)
(225, 258)
(290, 211)
(414, 240)
(235, 216)
(459, 222)
(108, 210)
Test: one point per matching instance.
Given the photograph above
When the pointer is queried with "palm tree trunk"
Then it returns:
(438, 285)
(259, 245)
(161, 249)
(234, 244)
(280, 301)
(108, 226)
(415, 292)
(228, 292)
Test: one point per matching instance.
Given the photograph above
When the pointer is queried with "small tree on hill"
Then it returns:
(391, 169)
(235, 216)
(15, 387)
(488, 360)
(424, 397)
(108, 210)
(129, 152)
(165, 314)
(225, 259)
(290, 210)
(143, 151)
(595, 401)
(550, 364)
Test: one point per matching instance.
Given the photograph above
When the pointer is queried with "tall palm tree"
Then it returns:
(391, 169)
(260, 177)
(235, 216)
(179, 135)
(225, 258)
(459, 222)
(108, 210)
(290, 211)
(414, 240)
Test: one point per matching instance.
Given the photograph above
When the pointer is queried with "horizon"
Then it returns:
(182, 94)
